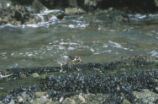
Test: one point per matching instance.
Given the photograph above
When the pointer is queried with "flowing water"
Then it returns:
(94, 40)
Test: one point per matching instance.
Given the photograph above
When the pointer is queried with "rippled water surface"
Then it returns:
(79, 35)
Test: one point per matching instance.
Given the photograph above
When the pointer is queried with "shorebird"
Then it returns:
(75, 59)
(68, 60)
(63, 61)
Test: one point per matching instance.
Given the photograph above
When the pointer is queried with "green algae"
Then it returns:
(7, 85)
(45, 75)
(112, 69)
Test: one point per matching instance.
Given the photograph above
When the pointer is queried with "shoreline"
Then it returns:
(116, 82)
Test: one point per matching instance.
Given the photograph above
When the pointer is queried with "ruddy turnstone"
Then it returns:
(63, 61)
(75, 59)
(68, 60)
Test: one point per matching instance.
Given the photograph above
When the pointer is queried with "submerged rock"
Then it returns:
(39, 94)
(146, 96)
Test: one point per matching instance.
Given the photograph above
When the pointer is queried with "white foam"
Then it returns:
(61, 47)
(40, 24)
(49, 48)
(137, 16)
(105, 46)
(92, 50)
(117, 45)
(71, 26)
(154, 53)
(72, 43)
(30, 55)
(71, 48)
(142, 16)
(46, 12)
(43, 22)
(114, 44)
(8, 4)
(68, 43)
(78, 25)
(53, 18)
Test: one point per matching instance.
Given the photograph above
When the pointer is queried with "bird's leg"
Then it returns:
(61, 67)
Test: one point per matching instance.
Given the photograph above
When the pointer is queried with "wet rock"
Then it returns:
(52, 15)
(33, 5)
(69, 101)
(22, 75)
(42, 100)
(4, 74)
(156, 2)
(69, 11)
(20, 99)
(25, 96)
(91, 2)
(156, 89)
(82, 99)
(145, 96)
(35, 75)
(39, 94)
(85, 99)
(61, 99)
(98, 98)
(17, 15)
(125, 101)
(11, 102)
